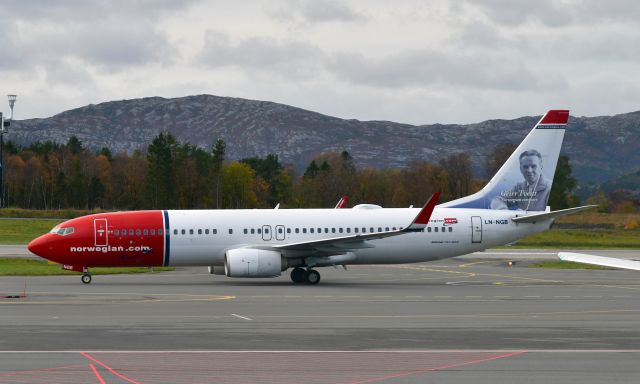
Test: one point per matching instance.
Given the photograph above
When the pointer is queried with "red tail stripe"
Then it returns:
(556, 116)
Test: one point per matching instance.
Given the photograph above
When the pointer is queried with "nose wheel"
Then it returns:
(309, 276)
(86, 276)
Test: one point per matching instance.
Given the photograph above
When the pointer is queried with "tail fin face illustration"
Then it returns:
(524, 180)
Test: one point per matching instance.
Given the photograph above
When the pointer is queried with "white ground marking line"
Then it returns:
(559, 351)
(623, 296)
(502, 297)
(476, 262)
(592, 297)
(241, 317)
(514, 253)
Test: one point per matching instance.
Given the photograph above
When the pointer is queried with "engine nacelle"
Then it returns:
(247, 262)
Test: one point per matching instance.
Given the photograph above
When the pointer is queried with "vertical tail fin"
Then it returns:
(524, 180)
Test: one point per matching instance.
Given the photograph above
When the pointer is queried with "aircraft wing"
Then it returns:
(342, 244)
(550, 215)
(612, 262)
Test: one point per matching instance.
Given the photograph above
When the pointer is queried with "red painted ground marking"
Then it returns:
(436, 369)
(95, 371)
(113, 371)
(231, 367)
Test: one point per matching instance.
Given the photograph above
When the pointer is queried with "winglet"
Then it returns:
(344, 200)
(422, 219)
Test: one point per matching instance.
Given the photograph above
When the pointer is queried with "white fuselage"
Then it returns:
(201, 237)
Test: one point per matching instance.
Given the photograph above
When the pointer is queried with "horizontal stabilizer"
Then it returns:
(551, 215)
(600, 260)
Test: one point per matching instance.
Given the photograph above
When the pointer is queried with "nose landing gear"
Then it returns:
(309, 276)
(86, 276)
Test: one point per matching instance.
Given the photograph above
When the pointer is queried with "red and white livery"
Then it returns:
(266, 242)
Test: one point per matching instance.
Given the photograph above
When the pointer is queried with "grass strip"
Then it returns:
(582, 239)
(30, 267)
(559, 264)
(22, 231)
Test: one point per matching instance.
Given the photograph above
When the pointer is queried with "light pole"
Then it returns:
(4, 125)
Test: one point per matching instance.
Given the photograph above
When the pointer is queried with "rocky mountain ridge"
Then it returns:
(600, 148)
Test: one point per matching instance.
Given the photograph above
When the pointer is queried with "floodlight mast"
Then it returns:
(3, 129)
(12, 101)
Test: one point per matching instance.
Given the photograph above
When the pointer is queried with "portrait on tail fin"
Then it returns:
(523, 183)
(530, 194)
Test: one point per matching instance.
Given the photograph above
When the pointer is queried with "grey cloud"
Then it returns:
(108, 35)
(286, 58)
(481, 34)
(507, 12)
(105, 45)
(62, 72)
(559, 13)
(429, 68)
(85, 11)
(315, 11)
(111, 46)
(596, 11)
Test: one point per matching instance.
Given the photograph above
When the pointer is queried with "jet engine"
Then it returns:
(247, 262)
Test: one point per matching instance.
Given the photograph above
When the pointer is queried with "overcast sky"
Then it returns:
(407, 61)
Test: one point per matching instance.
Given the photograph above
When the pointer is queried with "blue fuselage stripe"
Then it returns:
(167, 240)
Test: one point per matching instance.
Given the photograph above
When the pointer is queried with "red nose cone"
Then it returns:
(38, 246)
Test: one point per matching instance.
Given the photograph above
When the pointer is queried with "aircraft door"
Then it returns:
(266, 232)
(101, 238)
(280, 232)
(476, 229)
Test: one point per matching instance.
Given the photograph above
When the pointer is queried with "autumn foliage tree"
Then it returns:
(173, 175)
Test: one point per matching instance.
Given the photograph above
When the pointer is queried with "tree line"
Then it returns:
(173, 175)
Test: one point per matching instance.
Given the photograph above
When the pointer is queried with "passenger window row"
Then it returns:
(137, 232)
(305, 230)
(319, 230)
(199, 231)
(444, 229)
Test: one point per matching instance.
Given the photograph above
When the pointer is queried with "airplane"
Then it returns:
(344, 200)
(612, 262)
(266, 242)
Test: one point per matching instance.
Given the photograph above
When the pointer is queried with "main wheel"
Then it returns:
(86, 278)
(298, 275)
(313, 277)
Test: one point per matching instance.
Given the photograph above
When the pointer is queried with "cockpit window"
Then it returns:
(62, 231)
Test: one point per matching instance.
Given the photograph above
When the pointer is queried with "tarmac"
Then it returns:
(466, 319)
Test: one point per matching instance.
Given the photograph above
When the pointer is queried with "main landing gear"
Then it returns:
(86, 276)
(309, 276)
